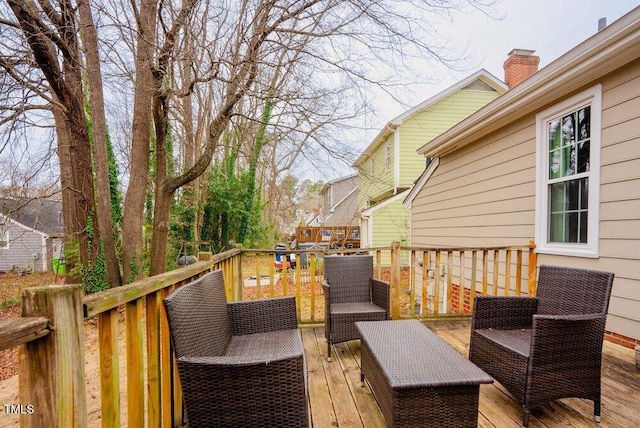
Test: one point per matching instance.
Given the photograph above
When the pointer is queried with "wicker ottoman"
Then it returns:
(417, 378)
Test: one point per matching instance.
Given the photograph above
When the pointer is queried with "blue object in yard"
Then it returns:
(281, 258)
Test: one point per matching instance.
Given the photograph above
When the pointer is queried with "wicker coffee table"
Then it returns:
(417, 378)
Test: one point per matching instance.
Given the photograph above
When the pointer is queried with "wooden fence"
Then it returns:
(51, 339)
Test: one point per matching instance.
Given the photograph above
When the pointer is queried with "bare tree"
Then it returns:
(50, 30)
(197, 70)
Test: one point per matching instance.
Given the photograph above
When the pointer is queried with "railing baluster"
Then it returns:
(135, 363)
(532, 270)
(412, 283)
(507, 273)
(485, 272)
(425, 278)
(258, 277)
(153, 360)
(472, 290)
(436, 288)
(298, 273)
(271, 276)
(285, 270)
(166, 364)
(312, 275)
(518, 272)
(395, 281)
(461, 285)
(109, 368)
(449, 279)
(496, 272)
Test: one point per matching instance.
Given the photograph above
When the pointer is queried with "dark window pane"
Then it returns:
(573, 194)
(584, 216)
(584, 155)
(584, 123)
(584, 198)
(571, 220)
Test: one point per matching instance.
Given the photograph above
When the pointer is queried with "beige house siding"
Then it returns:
(484, 195)
(481, 195)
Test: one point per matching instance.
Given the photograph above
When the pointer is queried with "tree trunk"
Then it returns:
(141, 135)
(66, 183)
(66, 87)
(96, 102)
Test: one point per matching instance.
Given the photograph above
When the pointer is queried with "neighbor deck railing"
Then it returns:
(424, 282)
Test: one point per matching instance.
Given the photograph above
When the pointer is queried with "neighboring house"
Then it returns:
(340, 202)
(556, 160)
(389, 166)
(336, 223)
(31, 233)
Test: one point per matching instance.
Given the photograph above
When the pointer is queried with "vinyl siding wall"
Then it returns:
(381, 181)
(431, 122)
(390, 223)
(23, 243)
(484, 195)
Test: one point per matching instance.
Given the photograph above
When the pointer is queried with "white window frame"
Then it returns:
(591, 97)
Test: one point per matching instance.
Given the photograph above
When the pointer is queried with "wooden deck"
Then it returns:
(337, 400)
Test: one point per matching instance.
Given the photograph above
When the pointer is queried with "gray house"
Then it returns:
(31, 233)
(340, 202)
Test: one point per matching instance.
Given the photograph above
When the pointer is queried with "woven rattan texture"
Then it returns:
(417, 378)
(351, 294)
(240, 364)
(548, 347)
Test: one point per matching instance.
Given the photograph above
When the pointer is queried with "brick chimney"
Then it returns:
(520, 64)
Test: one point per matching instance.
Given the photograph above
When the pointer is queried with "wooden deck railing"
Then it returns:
(425, 282)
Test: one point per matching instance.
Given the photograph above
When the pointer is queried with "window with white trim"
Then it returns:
(4, 239)
(568, 176)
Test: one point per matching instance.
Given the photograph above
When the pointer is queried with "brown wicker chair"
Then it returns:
(351, 294)
(240, 364)
(548, 347)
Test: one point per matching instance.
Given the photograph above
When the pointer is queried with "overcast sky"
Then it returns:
(550, 27)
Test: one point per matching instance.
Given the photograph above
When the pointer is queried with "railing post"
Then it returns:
(532, 268)
(52, 378)
(395, 280)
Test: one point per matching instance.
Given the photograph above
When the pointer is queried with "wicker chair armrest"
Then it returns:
(380, 293)
(503, 313)
(568, 341)
(263, 315)
(326, 288)
(235, 361)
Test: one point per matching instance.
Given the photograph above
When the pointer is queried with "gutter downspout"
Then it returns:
(396, 163)
(368, 232)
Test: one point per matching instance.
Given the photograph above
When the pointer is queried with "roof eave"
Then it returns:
(394, 123)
